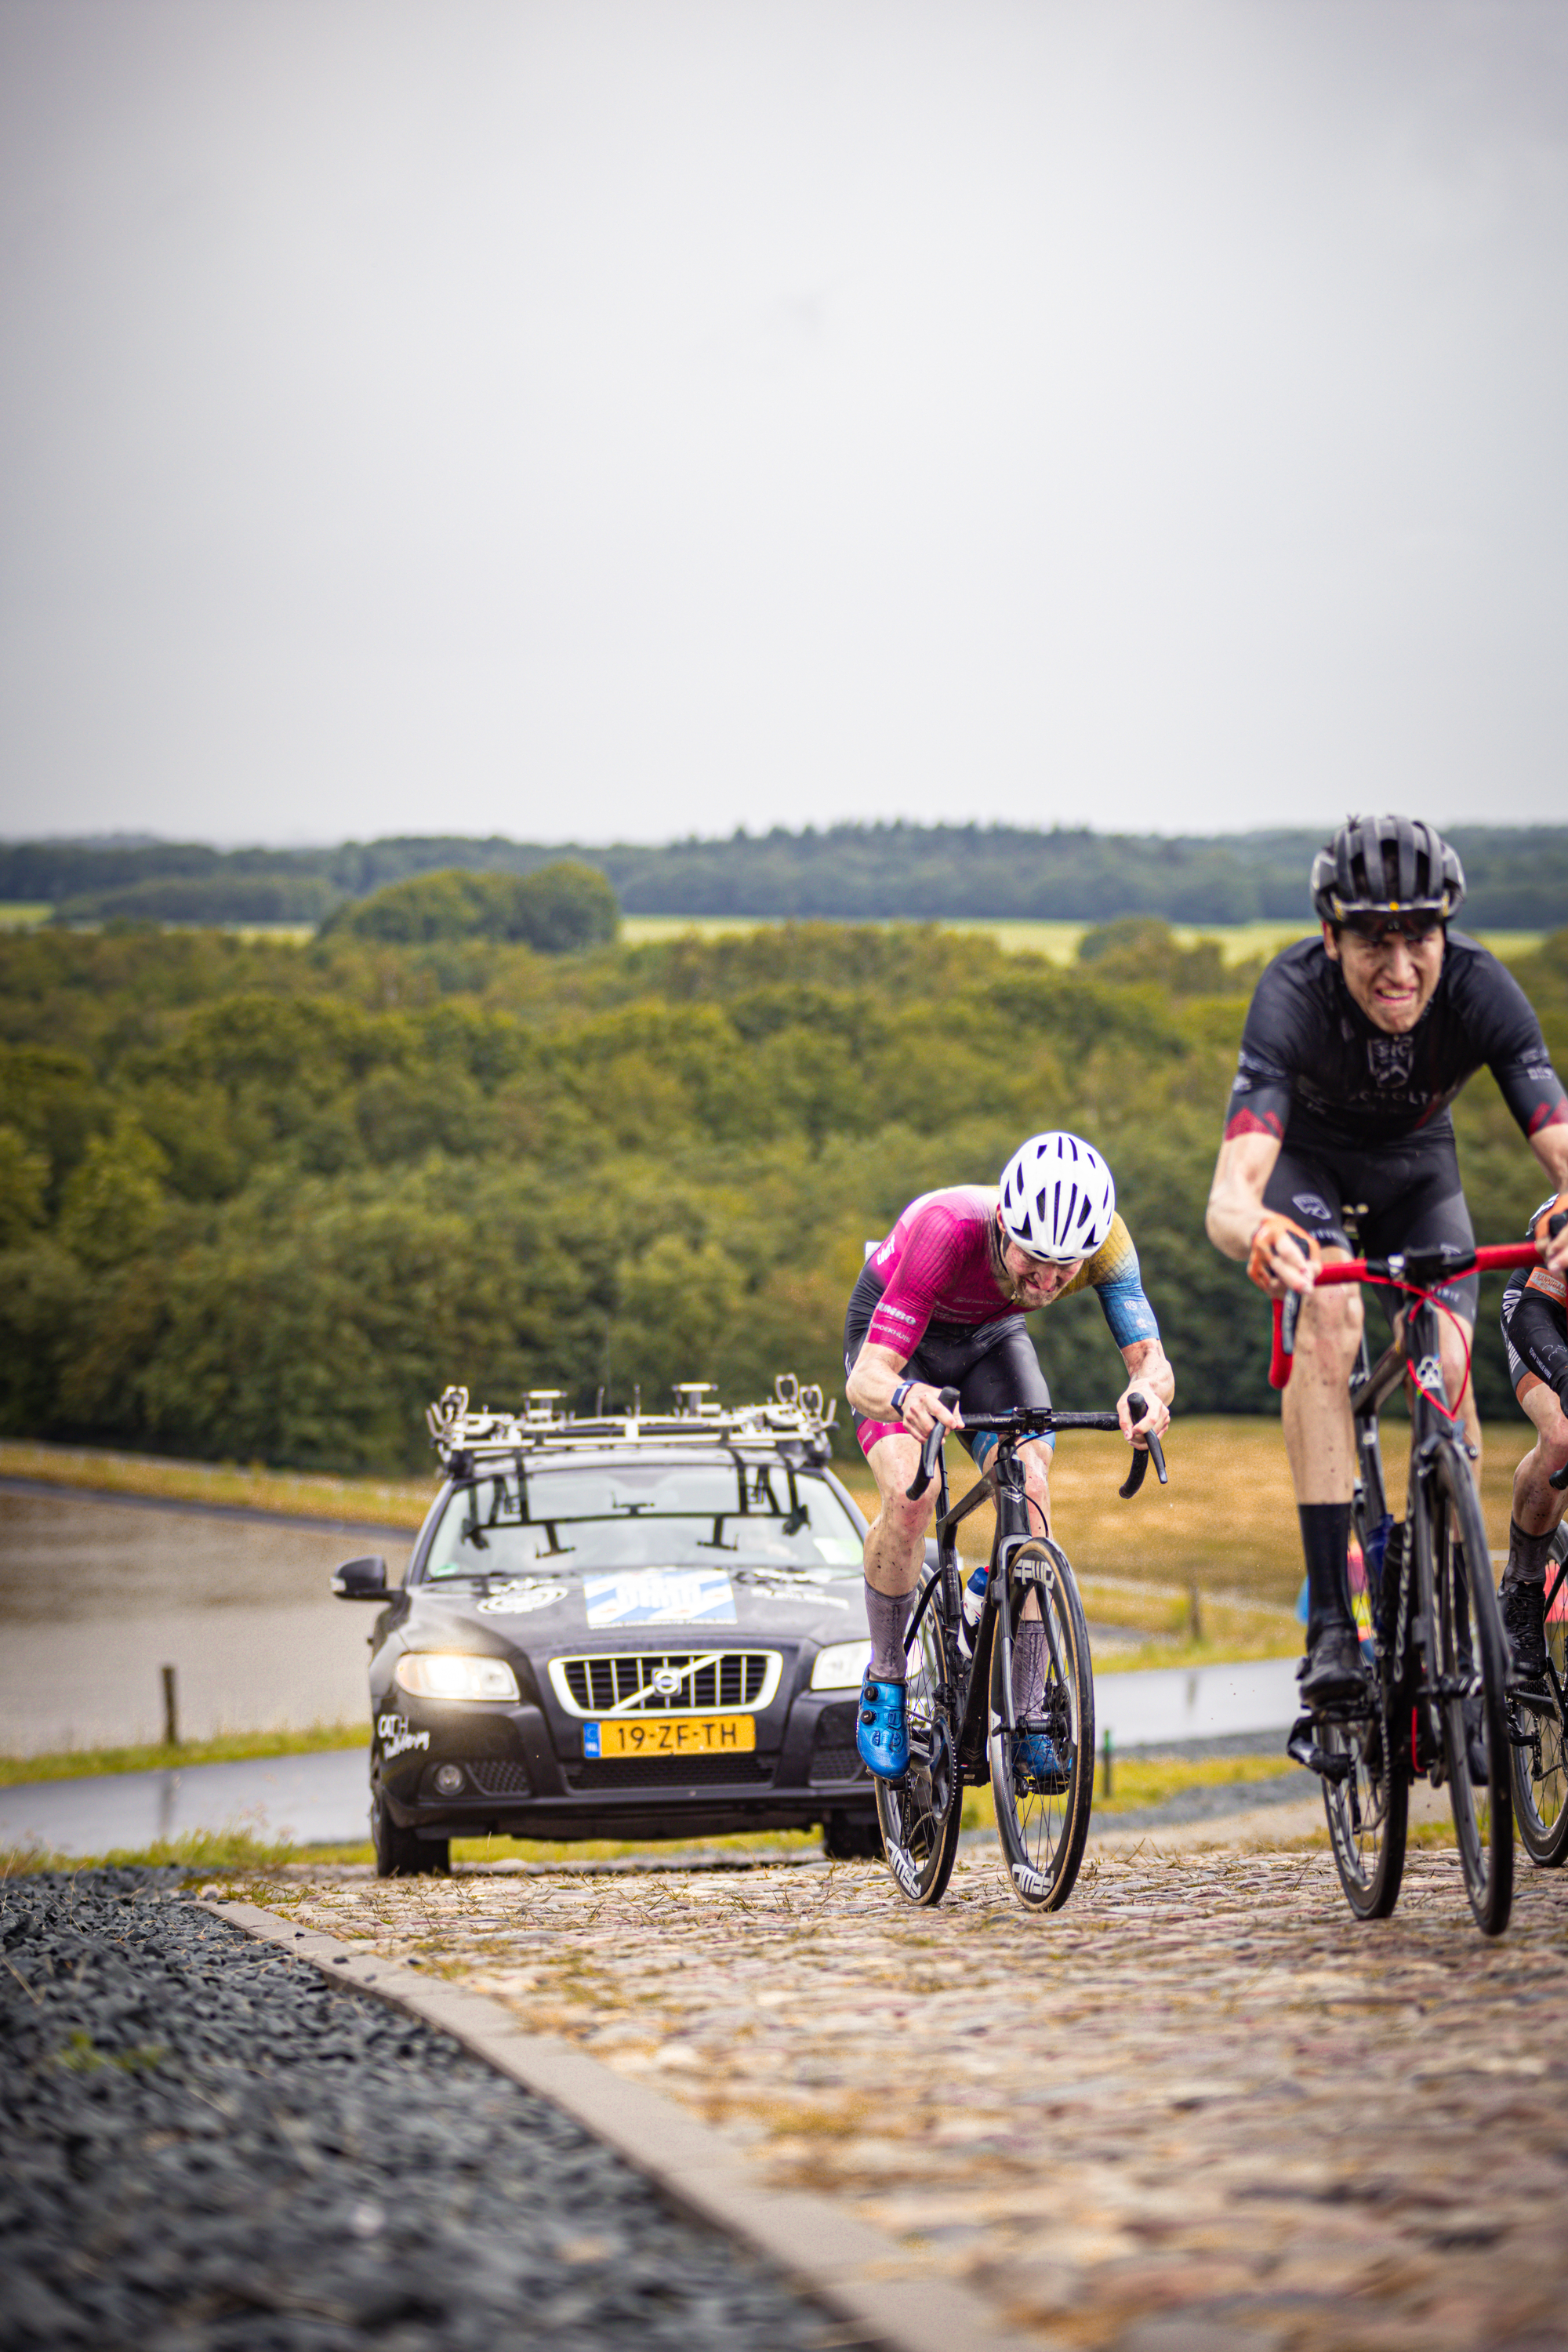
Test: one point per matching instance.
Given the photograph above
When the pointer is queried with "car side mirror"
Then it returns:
(361, 1580)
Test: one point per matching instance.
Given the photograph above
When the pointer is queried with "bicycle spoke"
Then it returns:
(1468, 1659)
(1540, 1754)
(919, 1815)
(1042, 1772)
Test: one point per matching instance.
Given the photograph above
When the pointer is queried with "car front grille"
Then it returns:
(710, 1679)
(834, 1755)
(495, 1776)
(672, 1772)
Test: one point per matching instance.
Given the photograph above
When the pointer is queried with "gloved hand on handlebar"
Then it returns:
(1282, 1257)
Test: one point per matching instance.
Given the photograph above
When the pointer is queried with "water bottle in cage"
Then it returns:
(973, 1602)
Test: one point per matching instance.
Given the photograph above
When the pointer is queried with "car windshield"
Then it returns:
(765, 1516)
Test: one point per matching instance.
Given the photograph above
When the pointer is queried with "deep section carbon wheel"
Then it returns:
(1467, 1662)
(920, 1814)
(1539, 1724)
(1042, 1773)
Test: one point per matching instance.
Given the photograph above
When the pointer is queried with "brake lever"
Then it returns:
(1142, 1456)
(930, 1446)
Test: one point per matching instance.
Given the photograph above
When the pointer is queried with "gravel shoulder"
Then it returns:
(1202, 2107)
(208, 2146)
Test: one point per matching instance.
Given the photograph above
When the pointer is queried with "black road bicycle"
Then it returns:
(964, 1727)
(1437, 1700)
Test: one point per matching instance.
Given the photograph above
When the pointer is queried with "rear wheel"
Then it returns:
(1468, 1662)
(919, 1815)
(1541, 1748)
(400, 1853)
(1042, 1772)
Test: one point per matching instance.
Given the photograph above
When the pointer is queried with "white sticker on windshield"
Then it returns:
(660, 1596)
(520, 1598)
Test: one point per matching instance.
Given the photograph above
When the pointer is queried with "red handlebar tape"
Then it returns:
(1491, 1260)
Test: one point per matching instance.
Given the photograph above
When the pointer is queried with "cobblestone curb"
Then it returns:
(855, 2271)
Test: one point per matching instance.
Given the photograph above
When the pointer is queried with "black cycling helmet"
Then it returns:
(1386, 865)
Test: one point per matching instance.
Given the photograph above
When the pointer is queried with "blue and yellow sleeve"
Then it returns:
(1113, 1271)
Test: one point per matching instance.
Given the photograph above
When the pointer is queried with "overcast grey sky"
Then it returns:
(622, 418)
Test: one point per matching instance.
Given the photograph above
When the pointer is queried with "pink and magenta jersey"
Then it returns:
(935, 1267)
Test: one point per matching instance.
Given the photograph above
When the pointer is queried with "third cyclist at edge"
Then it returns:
(1354, 1047)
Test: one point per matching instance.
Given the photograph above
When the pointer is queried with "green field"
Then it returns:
(1058, 941)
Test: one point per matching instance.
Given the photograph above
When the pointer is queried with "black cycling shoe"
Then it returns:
(1524, 1622)
(1333, 1668)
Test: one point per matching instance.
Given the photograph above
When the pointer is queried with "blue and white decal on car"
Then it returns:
(660, 1596)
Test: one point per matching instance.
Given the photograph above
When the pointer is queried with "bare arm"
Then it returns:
(1148, 1371)
(1237, 1223)
(877, 1372)
(1245, 1163)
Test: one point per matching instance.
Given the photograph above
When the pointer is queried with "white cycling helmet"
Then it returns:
(1059, 1197)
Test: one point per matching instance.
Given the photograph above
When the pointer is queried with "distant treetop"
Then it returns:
(1518, 875)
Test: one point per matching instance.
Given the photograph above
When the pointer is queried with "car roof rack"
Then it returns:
(464, 1436)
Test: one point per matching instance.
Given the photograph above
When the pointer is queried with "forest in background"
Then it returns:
(856, 872)
(261, 1200)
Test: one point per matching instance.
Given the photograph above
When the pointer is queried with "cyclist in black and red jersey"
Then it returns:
(1535, 1332)
(941, 1304)
(1354, 1047)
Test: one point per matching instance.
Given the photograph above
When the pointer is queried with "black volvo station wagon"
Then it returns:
(631, 1627)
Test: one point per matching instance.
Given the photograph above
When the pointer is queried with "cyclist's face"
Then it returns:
(1037, 1279)
(1390, 978)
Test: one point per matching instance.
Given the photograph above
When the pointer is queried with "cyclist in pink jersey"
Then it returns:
(941, 1304)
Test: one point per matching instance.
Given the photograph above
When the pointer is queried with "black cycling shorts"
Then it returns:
(1399, 1196)
(1535, 1333)
(993, 1366)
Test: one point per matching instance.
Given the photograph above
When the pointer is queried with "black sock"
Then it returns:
(1325, 1539)
(1526, 1555)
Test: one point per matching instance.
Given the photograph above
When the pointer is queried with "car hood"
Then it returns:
(679, 1606)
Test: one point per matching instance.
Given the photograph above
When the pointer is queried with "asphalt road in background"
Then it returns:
(96, 1596)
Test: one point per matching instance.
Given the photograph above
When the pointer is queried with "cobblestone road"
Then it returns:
(1201, 2111)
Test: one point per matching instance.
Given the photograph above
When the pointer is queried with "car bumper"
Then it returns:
(517, 1784)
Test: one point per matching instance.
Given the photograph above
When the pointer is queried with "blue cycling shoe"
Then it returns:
(1034, 1754)
(881, 1728)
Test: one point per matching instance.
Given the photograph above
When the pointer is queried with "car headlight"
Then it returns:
(435, 1673)
(841, 1665)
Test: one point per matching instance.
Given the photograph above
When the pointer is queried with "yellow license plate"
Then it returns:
(670, 1734)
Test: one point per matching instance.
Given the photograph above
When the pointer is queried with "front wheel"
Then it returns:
(919, 1816)
(1540, 1750)
(1468, 1666)
(1042, 1772)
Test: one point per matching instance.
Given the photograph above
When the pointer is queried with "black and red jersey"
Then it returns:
(1314, 1070)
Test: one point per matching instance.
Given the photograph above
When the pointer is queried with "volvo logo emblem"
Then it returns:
(666, 1681)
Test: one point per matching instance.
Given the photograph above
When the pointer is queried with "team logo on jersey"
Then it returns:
(1391, 1058)
(1309, 1205)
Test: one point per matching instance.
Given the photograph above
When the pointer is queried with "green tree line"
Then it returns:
(847, 873)
(260, 1200)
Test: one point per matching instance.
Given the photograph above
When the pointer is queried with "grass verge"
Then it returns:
(229, 1748)
(287, 1493)
(235, 1852)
